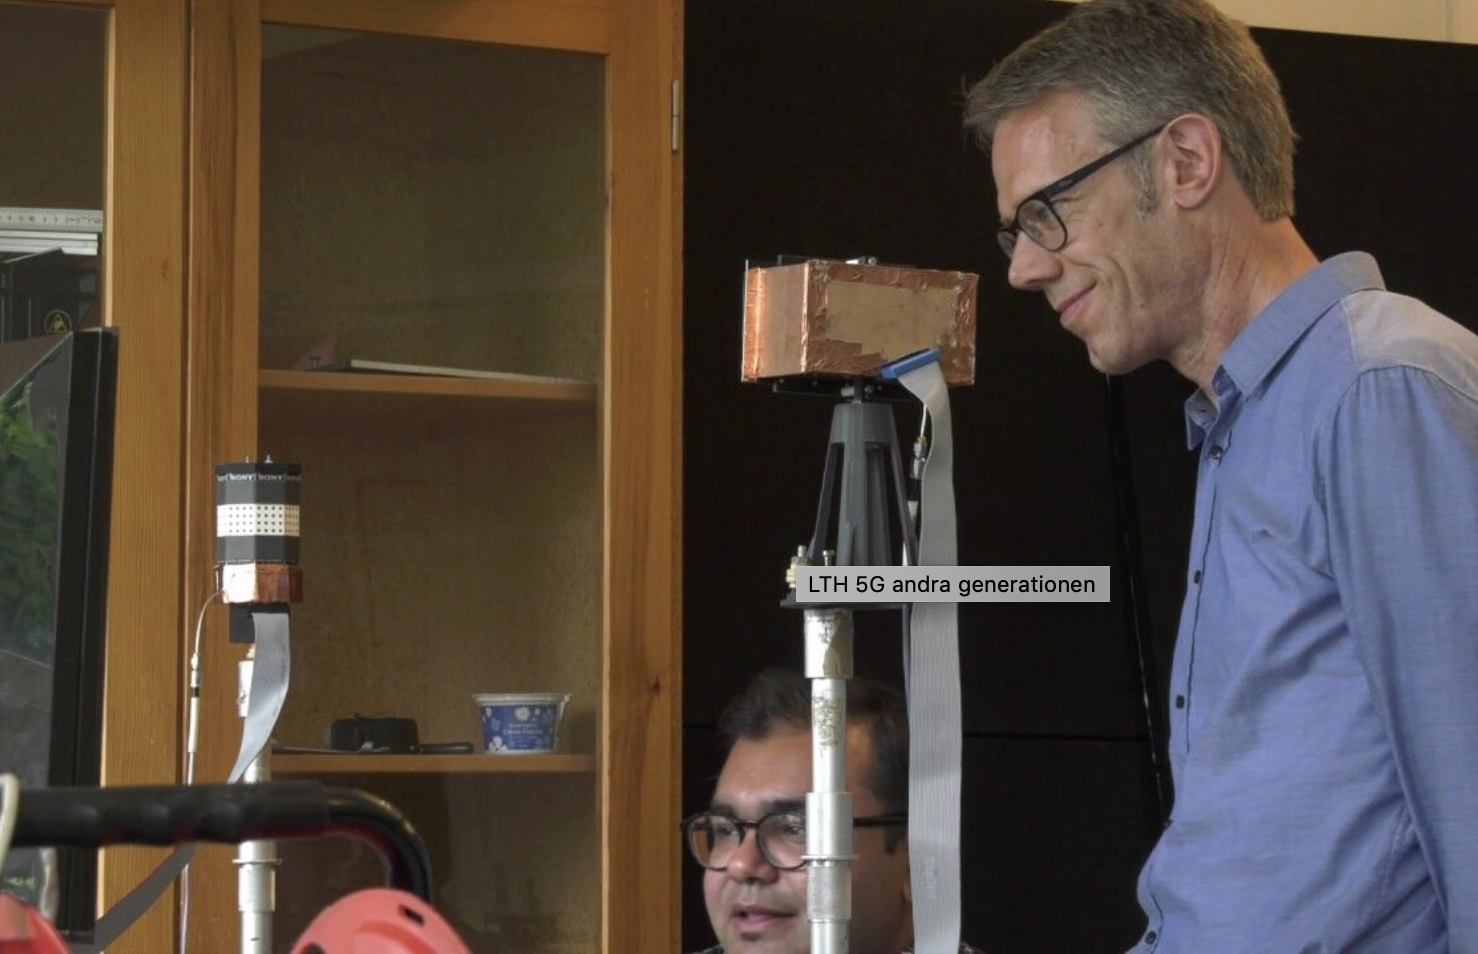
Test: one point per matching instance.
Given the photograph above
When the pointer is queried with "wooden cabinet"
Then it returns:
(479, 184)
(461, 536)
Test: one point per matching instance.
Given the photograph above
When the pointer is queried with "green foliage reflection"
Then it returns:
(29, 485)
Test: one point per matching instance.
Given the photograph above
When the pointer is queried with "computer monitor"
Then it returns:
(57, 395)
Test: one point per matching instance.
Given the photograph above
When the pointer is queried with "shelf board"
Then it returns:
(432, 764)
(404, 404)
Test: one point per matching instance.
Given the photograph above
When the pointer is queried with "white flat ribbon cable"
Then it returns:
(933, 678)
(269, 678)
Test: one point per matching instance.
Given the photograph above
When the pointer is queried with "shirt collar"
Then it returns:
(1253, 354)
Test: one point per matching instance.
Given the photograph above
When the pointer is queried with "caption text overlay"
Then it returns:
(952, 584)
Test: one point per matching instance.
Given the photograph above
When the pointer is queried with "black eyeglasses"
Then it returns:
(713, 837)
(1037, 219)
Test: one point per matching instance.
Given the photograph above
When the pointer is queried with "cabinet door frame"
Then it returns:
(639, 771)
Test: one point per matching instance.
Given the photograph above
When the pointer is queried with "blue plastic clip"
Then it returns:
(896, 370)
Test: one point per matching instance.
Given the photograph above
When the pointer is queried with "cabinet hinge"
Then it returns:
(677, 114)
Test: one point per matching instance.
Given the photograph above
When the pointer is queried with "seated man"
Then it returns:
(755, 887)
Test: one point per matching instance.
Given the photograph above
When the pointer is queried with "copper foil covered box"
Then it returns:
(822, 317)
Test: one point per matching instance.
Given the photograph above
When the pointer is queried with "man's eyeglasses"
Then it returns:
(713, 837)
(1037, 218)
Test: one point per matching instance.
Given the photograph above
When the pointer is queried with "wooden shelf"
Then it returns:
(432, 764)
(403, 404)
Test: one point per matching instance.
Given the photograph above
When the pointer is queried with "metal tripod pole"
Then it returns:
(829, 805)
(256, 861)
(861, 456)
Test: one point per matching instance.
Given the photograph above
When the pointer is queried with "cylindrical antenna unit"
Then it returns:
(257, 532)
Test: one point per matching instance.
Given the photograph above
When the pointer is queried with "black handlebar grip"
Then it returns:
(95, 817)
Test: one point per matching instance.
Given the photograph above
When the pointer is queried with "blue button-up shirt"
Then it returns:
(1324, 696)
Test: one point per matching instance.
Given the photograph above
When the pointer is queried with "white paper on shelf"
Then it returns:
(363, 365)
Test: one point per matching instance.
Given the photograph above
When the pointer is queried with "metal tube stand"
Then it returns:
(861, 457)
(829, 851)
(256, 861)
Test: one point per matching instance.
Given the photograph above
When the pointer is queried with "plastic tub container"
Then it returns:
(521, 723)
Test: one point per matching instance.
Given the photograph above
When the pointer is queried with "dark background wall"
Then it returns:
(832, 129)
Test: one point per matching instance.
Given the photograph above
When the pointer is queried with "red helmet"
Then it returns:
(379, 921)
(24, 931)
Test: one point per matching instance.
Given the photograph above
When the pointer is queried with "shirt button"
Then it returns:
(1216, 451)
(1151, 938)
(1180, 702)
(1197, 577)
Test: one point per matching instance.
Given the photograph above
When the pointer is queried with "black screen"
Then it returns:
(56, 435)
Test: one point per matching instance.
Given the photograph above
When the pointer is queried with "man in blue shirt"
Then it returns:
(1324, 723)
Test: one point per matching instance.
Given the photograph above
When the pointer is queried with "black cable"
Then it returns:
(1136, 604)
(374, 820)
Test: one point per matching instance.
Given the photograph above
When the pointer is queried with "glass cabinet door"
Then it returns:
(92, 213)
(53, 64)
(433, 215)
